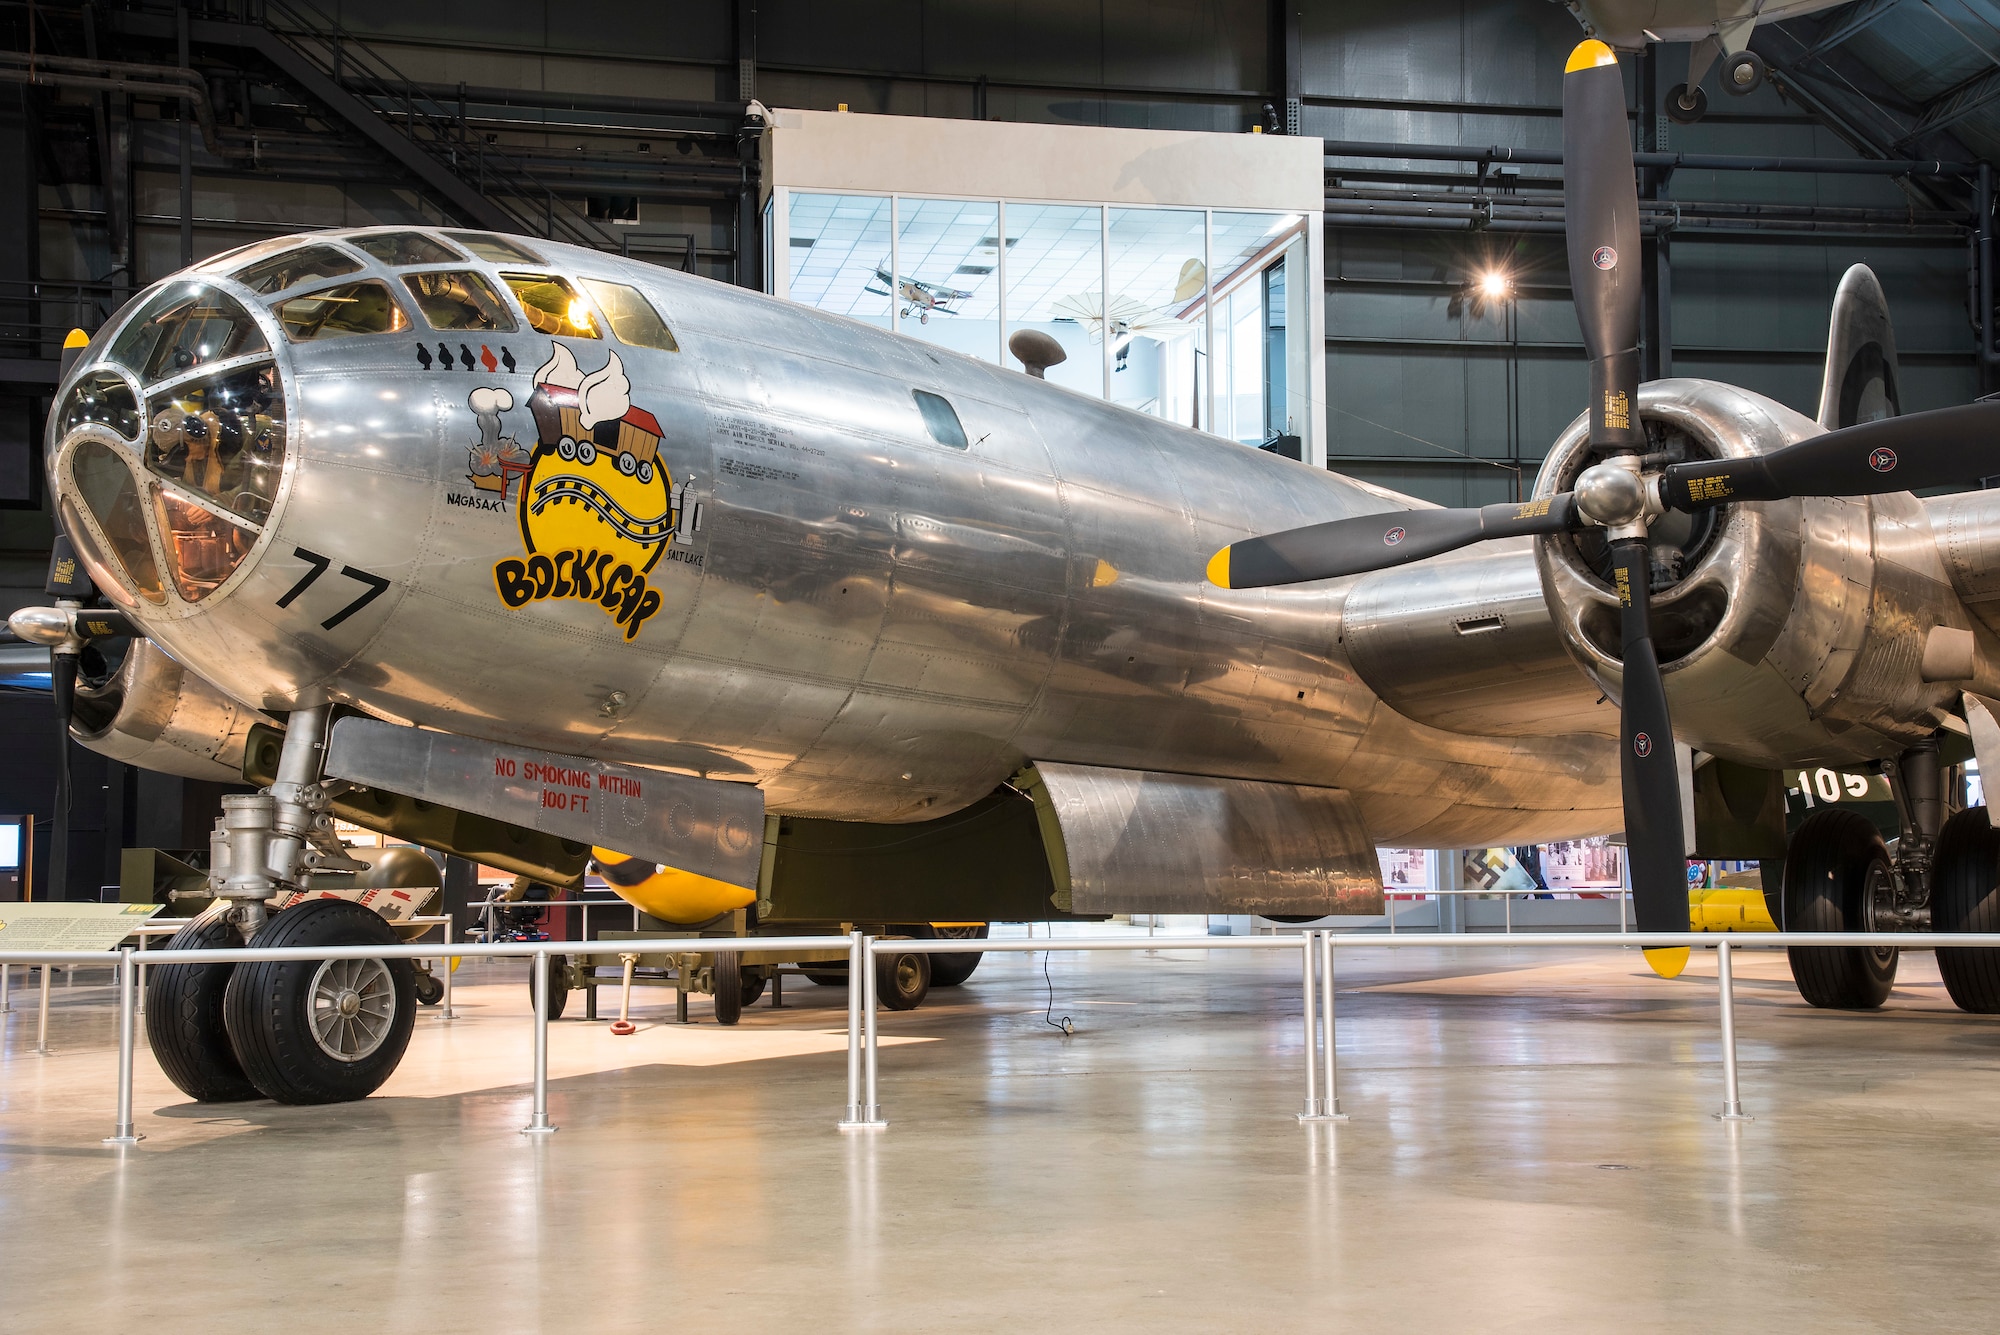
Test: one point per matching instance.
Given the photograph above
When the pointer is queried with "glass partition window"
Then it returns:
(1055, 284)
(460, 300)
(337, 312)
(294, 267)
(400, 248)
(102, 397)
(223, 438)
(948, 290)
(552, 305)
(1184, 313)
(1158, 281)
(631, 316)
(840, 255)
(109, 492)
(182, 327)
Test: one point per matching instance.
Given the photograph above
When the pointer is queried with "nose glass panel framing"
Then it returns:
(182, 327)
(223, 438)
(108, 490)
(103, 398)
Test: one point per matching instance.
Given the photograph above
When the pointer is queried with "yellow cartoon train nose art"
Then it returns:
(597, 506)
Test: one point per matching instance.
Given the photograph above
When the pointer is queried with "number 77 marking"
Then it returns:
(376, 585)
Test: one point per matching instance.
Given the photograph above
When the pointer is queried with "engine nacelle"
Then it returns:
(1789, 632)
(153, 713)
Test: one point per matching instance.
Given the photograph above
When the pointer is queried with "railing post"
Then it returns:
(538, 1122)
(857, 961)
(1732, 1107)
(870, 1099)
(1330, 1095)
(447, 1013)
(42, 1023)
(6, 988)
(127, 1024)
(1312, 1108)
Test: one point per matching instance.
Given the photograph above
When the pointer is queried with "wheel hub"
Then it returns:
(353, 1008)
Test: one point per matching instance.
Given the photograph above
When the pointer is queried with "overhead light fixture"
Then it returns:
(1494, 285)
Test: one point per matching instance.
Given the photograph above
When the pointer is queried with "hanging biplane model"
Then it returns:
(884, 635)
(918, 296)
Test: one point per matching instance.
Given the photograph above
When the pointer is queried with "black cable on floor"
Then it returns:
(1065, 1024)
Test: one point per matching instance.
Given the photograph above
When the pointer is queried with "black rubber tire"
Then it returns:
(429, 990)
(727, 972)
(753, 987)
(1688, 115)
(1827, 870)
(558, 967)
(184, 1024)
(948, 970)
(902, 980)
(1965, 897)
(1746, 60)
(268, 1008)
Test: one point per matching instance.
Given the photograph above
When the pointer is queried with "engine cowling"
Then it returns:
(1789, 632)
(154, 713)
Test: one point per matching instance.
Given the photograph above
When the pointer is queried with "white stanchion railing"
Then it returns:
(864, 1111)
(1325, 1106)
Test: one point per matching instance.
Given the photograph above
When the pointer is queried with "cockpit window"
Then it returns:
(184, 326)
(107, 488)
(940, 419)
(104, 398)
(631, 316)
(459, 300)
(496, 249)
(552, 305)
(405, 248)
(294, 267)
(223, 438)
(335, 312)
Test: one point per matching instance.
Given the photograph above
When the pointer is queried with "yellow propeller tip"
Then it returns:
(76, 339)
(1589, 54)
(1668, 961)
(1218, 569)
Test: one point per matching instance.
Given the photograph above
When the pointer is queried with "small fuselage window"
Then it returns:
(940, 419)
(459, 299)
(631, 316)
(268, 277)
(552, 305)
(401, 248)
(337, 312)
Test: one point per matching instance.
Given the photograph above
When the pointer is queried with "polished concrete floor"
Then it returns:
(1531, 1149)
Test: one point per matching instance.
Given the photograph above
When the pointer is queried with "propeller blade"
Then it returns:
(1654, 836)
(1601, 217)
(1933, 449)
(1378, 541)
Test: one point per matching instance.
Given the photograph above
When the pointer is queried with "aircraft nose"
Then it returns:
(168, 447)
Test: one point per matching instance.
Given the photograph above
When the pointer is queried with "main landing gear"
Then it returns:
(297, 1031)
(1943, 876)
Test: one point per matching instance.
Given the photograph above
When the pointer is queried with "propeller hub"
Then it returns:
(1613, 493)
(41, 625)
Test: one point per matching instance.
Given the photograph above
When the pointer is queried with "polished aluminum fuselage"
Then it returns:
(868, 624)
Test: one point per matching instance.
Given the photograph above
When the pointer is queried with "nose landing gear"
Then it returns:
(298, 1031)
